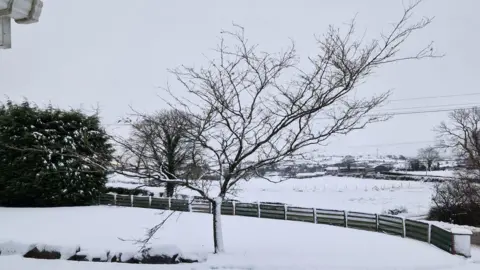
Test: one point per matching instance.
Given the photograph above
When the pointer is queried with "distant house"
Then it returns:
(332, 170)
(353, 169)
(447, 165)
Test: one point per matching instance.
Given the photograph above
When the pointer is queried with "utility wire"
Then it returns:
(386, 114)
(434, 106)
(428, 111)
(392, 144)
(377, 114)
(434, 97)
(380, 112)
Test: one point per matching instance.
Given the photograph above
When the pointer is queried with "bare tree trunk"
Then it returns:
(170, 190)
(217, 225)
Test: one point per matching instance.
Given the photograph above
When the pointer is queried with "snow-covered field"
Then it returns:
(251, 243)
(331, 192)
(446, 173)
(344, 193)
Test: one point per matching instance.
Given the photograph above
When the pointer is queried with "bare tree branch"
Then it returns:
(255, 114)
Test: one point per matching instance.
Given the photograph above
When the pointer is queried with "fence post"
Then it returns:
(258, 208)
(190, 201)
(345, 214)
(315, 215)
(404, 228)
(131, 200)
(210, 207)
(150, 201)
(233, 208)
(453, 244)
(285, 209)
(429, 233)
(376, 220)
(169, 203)
(461, 242)
(114, 199)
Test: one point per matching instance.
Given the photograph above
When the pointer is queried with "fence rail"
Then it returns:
(393, 225)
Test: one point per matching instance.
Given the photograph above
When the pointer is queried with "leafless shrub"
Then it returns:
(458, 201)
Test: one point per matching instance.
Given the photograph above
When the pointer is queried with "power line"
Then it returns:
(377, 114)
(381, 112)
(434, 106)
(386, 114)
(434, 97)
(428, 111)
(391, 144)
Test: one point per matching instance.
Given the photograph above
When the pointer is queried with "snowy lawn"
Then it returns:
(328, 192)
(251, 243)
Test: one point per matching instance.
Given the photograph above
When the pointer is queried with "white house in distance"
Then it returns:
(331, 170)
(20, 11)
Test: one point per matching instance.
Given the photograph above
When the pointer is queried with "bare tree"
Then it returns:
(254, 113)
(254, 109)
(462, 135)
(348, 161)
(160, 142)
(429, 155)
(414, 164)
(459, 201)
(159, 147)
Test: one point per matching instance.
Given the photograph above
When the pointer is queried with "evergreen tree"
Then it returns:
(43, 156)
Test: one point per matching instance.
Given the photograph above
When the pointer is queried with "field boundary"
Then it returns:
(393, 225)
(398, 177)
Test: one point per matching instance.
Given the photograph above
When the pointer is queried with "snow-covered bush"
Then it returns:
(163, 254)
(395, 211)
(127, 191)
(44, 156)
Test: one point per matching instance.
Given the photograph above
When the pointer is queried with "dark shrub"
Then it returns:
(456, 201)
(35, 253)
(160, 259)
(459, 214)
(78, 258)
(126, 191)
(44, 156)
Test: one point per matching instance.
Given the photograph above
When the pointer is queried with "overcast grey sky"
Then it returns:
(115, 53)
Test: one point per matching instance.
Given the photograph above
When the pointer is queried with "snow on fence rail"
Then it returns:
(393, 225)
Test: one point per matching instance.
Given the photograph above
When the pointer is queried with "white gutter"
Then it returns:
(22, 12)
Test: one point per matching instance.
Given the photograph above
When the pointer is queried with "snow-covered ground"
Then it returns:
(344, 193)
(251, 243)
(329, 192)
(446, 173)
